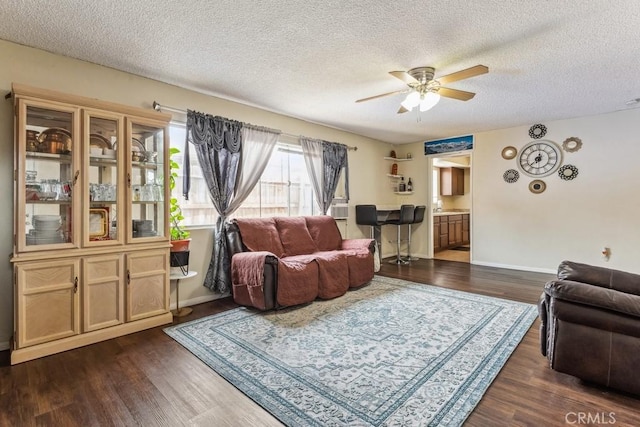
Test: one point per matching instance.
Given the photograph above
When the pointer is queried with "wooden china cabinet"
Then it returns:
(91, 232)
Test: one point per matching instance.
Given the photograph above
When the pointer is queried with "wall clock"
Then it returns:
(540, 158)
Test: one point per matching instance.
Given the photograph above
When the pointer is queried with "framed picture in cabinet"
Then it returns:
(98, 223)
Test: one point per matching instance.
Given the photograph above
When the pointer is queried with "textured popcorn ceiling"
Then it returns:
(312, 59)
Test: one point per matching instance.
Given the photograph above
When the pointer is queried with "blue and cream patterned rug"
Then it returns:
(393, 353)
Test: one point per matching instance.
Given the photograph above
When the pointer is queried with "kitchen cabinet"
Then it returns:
(91, 243)
(444, 233)
(451, 181)
(466, 237)
(436, 233)
(450, 230)
(455, 230)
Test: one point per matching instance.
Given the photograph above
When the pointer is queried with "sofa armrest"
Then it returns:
(543, 313)
(255, 279)
(594, 296)
(358, 244)
(600, 276)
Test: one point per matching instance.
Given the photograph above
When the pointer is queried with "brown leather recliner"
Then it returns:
(590, 325)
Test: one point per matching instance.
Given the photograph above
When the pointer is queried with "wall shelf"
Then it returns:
(395, 159)
(404, 192)
(394, 176)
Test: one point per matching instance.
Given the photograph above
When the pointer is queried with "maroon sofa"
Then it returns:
(286, 261)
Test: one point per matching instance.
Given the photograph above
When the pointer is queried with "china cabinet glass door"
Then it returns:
(147, 181)
(48, 146)
(103, 215)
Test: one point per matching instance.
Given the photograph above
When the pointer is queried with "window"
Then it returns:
(283, 190)
(435, 195)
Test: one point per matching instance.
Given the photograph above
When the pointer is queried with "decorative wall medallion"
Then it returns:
(568, 172)
(537, 186)
(509, 152)
(537, 131)
(540, 158)
(511, 176)
(572, 144)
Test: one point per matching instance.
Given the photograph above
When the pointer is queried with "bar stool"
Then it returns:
(406, 217)
(368, 215)
(418, 217)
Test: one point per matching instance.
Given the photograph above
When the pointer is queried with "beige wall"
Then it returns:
(572, 219)
(41, 69)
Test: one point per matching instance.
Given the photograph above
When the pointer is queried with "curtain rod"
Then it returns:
(158, 107)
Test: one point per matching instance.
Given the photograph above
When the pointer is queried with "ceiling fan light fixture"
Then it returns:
(429, 100)
(412, 100)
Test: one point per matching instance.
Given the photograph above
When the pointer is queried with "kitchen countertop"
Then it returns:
(452, 212)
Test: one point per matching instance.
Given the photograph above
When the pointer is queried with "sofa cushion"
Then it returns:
(333, 274)
(260, 234)
(360, 262)
(297, 281)
(294, 236)
(324, 232)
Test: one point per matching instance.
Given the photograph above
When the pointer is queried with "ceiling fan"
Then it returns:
(425, 91)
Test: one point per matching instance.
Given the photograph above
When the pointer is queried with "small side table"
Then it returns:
(185, 311)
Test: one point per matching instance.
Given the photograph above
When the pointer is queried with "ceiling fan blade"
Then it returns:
(463, 74)
(402, 110)
(404, 76)
(456, 94)
(381, 95)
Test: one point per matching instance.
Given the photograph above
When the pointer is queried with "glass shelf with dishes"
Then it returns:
(103, 178)
(48, 177)
(147, 189)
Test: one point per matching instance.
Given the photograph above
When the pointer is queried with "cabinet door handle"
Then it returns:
(128, 180)
(75, 177)
(75, 285)
(128, 278)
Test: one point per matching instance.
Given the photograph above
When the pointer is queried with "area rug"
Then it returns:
(393, 353)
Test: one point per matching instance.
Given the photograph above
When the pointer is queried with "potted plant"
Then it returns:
(179, 235)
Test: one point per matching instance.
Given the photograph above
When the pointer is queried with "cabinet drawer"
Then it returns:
(455, 217)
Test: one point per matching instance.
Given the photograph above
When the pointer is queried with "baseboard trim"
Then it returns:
(198, 300)
(515, 267)
(4, 345)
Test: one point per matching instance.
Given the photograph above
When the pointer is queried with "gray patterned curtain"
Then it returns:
(335, 160)
(218, 143)
(325, 162)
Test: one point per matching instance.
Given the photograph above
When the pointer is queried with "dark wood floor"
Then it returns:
(147, 379)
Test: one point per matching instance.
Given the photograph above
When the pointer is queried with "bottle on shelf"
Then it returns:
(402, 186)
(409, 185)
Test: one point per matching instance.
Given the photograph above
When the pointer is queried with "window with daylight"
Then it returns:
(283, 190)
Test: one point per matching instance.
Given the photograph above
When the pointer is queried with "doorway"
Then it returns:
(451, 213)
